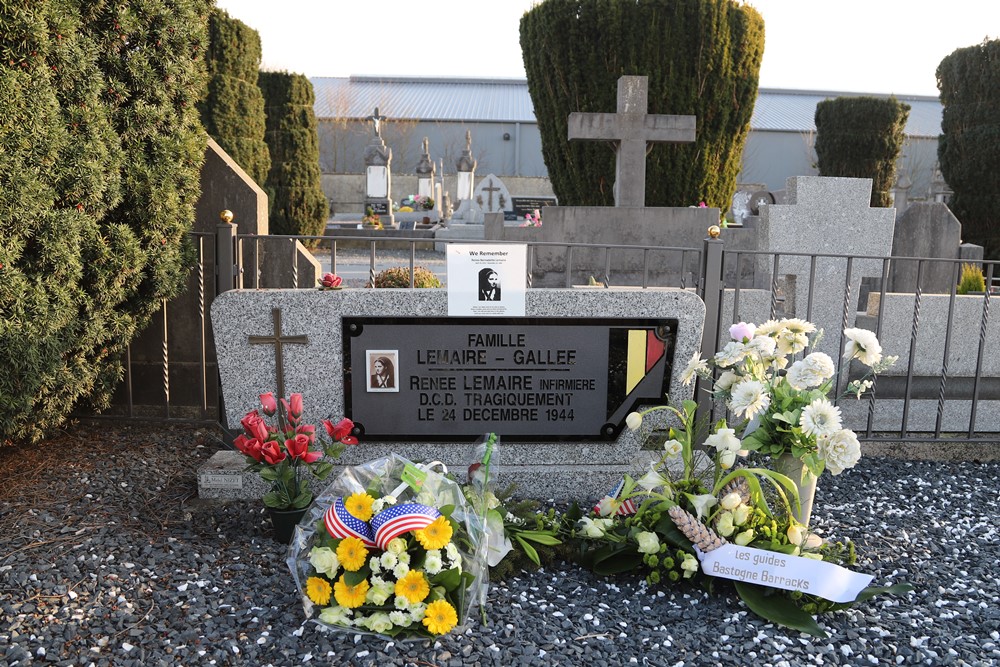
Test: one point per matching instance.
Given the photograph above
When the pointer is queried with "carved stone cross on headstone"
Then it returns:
(632, 130)
(278, 340)
(491, 188)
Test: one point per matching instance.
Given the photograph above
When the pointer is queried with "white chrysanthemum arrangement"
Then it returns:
(784, 398)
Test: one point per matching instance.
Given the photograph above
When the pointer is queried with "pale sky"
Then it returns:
(864, 46)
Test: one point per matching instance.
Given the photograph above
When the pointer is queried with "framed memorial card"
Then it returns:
(487, 280)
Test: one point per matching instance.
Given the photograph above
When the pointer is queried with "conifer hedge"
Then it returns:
(100, 154)
(861, 137)
(296, 202)
(702, 57)
(969, 146)
(233, 112)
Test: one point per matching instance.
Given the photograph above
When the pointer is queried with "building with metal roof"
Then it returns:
(506, 141)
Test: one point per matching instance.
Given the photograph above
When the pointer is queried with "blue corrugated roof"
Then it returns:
(507, 101)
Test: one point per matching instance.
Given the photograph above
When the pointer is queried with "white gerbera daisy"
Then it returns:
(749, 398)
(863, 345)
(796, 325)
(695, 366)
(821, 417)
(769, 328)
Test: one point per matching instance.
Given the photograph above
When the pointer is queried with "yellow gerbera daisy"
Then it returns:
(352, 554)
(359, 505)
(436, 535)
(440, 617)
(350, 596)
(413, 586)
(318, 590)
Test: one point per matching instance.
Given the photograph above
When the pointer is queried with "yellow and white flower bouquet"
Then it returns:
(392, 548)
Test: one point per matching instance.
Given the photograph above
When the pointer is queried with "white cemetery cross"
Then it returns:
(425, 173)
(632, 130)
(378, 176)
(466, 171)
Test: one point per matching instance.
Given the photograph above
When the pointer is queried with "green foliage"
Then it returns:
(969, 146)
(233, 112)
(100, 155)
(295, 194)
(972, 279)
(861, 137)
(702, 57)
(399, 276)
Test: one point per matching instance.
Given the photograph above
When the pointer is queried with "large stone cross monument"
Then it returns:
(632, 130)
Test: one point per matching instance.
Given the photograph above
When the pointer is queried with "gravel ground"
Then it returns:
(109, 558)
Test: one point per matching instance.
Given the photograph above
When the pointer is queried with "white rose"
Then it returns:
(724, 524)
(840, 451)
(379, 622)
(745, 537)
(380, 591)
(396, 546)
(325, 560)
(731, 501)
(649, 543)
(690, 565)
(741, 514)
(336, 616)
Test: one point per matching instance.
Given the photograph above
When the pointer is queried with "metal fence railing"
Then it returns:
(944, 387)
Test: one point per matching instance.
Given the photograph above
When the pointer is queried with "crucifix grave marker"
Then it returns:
(278, 340)
(491, 189)
(631, 130)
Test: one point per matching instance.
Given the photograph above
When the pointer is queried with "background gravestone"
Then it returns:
(927, 230)
(492, 196)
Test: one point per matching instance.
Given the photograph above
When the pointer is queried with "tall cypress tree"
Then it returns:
(294, 187)
(233, 112)
(100, 153)
(969, 146)
(861, 137)
(702, 57)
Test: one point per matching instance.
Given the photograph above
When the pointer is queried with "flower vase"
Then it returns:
(805, 482)
(284, 522)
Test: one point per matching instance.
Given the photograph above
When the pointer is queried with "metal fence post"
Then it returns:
(225, 253)
(712, 286)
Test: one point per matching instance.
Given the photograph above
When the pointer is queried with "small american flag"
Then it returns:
(393, 521)
(624, 509)
(341, 523)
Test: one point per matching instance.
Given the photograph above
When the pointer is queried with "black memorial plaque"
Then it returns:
(522, 205)
(378, 207)
(533, 379)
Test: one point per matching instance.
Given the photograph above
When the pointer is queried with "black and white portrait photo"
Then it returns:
(382, 370)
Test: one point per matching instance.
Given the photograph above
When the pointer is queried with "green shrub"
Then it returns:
(702, 57)
(969, 146)
(399, 276)
(233, 111)
(100, 157)
(296, 201)
(972, 279)
(861, 137)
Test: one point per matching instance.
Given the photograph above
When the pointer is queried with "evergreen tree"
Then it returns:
(296, 201)
(861, 137)
(100, 153)
(969, 146)
(233, 112)
(702, 57)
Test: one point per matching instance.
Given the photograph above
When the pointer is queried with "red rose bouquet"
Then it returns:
(280, 451)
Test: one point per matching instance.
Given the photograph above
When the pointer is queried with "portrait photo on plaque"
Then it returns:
(383, 369)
